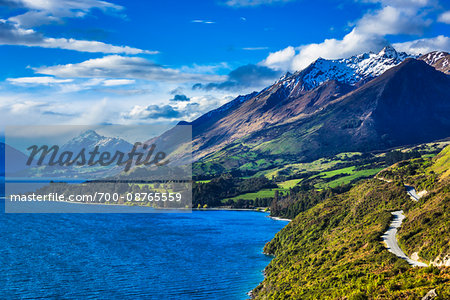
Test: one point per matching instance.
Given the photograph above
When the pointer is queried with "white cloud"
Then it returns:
(393, 20)
(33, 18)
(368, 34)
(25, 106)
(70, 85)
(246, 3)
(17, 29)
(423, 46)
(116, 66)
(352, 43)
(255, 48)
(90, 46)
(43, 80)
(152, 112)
(116, 82)
(105, 104)
(203, 21)
(445, 17)
(280, 60)
(202, 104)
(402, 3)
(12, 34)
(46, 11)
(96, 113)
(205, 69)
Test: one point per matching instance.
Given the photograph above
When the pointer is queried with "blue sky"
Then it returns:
(90, 61)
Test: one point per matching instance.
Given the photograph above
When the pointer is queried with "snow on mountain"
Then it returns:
(90, 139)
(358, 68)
(351, 70)
(433, 57)
(439, 60)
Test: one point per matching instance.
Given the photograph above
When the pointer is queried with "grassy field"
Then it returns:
(315, 166)
(331, 172)
(351, 177)
(351, 174)
(268, 193)
(203, 181)
(328, 174)
(289, 183)
(265, 193)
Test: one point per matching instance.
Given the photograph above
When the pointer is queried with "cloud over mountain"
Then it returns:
(369, 33)
(152, 112)
(180, 97)
(422, 46)
(245, 76)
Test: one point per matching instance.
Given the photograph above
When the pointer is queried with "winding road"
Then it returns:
(390, 236)
(390, 239)
(412, 193)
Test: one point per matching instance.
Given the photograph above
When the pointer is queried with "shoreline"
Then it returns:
(280, 219)
(261, 210)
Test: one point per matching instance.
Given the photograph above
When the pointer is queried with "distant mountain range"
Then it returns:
(90, 139)
(16, 159)
(87, 140)
(366, 102)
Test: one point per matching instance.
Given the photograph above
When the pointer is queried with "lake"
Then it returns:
(198, 255)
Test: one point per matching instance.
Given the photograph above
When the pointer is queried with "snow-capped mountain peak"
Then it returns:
(350, 70)
(388, 52)
(90, 139)
(88, 134)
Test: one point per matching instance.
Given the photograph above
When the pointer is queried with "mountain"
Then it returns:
(347, 73)
(353, 70)
(439, 60)
(16, 159)
(87, 140)
(407, 104)
(91, 139)
(278, 104)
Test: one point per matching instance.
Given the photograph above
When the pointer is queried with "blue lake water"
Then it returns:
(201, 255)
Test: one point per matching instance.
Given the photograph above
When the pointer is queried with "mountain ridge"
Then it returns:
(348, 111)
(440, 60)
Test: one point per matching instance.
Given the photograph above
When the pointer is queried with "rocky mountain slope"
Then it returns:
(292, 97)
(407, 104)
(439, 60)
(366, 102)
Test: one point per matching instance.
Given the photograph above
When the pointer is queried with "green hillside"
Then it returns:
(334, 250)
